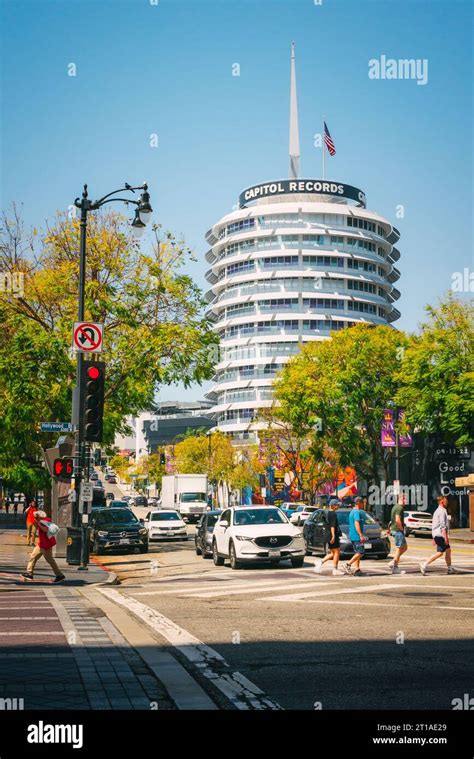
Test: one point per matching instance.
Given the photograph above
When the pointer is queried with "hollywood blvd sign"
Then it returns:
(306, 186)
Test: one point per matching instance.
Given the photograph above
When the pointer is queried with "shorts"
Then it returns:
(358, 548)
(441, 545)
(336, 543)
(399, 537)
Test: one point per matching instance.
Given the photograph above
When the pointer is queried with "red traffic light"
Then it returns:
(93, 372)
(58, 467)
(64, 467)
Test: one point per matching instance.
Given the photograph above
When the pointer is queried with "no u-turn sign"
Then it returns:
(87, 337)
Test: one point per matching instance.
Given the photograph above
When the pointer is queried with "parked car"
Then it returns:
(289, 507)
(301, 514)
(203, 534)
(153, 503)
(162, 525)
(314, 531)
(109, 496)
(112, 480)
(93, 476)
(418, 522)
(127, 498)
(141, 500)
(248, 534)
(106, 477)
(116, 528)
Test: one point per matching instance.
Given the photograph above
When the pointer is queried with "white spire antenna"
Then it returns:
(294, 132)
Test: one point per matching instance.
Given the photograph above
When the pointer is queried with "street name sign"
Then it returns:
(56, 427)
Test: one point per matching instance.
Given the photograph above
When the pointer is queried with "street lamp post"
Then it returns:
(143, 212)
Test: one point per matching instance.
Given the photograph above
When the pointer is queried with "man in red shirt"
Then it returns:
(31, 523)
(44, 548)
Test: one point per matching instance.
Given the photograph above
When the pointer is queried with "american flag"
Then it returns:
(328, 141)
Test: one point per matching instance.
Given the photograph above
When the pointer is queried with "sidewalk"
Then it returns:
(59, 650)
(14, 553)
(461, 535)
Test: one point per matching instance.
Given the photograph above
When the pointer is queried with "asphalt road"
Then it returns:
(293, 639)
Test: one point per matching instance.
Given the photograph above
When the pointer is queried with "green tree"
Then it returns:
(342, 386)
(436, 375)
(153, 314)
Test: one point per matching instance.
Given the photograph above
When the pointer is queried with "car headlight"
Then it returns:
(142, 531)
(297, 535)
(102, 534)
(243, 537)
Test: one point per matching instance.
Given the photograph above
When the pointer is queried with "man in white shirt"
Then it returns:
(440, 533)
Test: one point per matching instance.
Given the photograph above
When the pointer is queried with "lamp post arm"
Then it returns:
(127, 188)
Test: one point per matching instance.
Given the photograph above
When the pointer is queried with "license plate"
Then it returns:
(273, 554)
(124, 540)
(367, 545)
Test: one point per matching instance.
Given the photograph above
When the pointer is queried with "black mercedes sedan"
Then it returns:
(116, 528)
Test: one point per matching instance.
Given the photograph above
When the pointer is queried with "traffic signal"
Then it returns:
(63, 468)
(92, 399)
(162, 459)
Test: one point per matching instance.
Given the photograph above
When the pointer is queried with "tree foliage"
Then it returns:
(153, 315)
(437, 373)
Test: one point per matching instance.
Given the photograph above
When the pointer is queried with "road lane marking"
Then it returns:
(211, 589)
(364, 589)
(242, 693)
(44, 633)
(389, 605)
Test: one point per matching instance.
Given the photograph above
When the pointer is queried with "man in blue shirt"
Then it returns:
(356, 535)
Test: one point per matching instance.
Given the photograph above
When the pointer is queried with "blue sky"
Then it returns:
(166, 69)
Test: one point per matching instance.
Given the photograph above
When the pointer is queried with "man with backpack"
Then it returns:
(46, 541)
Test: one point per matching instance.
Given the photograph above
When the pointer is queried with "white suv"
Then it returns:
(256, 534)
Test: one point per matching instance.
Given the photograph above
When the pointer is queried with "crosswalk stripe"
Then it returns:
(213, 589)
(364, 589)
(391, 605)
(252, 588)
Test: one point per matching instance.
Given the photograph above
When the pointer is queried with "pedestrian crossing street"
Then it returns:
(287, 585)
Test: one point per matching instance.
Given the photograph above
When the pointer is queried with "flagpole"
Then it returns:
(323, 148)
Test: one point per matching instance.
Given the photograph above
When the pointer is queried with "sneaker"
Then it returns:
(451, 571)
(347, 568)
(59, 578)
(423, 567)
(318, 565)
(337, 572)
(395, 570)
(359, 573)
(391, 564)
(27, 575)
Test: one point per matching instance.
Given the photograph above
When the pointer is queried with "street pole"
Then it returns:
(83, 462)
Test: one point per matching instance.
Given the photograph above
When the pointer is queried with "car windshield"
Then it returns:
(188, 497)
(119, 504)
(259, 516)
(212, 519)
(116, 516)
(165, 516)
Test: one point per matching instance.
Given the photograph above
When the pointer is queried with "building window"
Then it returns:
(239, 226)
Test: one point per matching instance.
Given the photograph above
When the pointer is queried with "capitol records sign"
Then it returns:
(306, 186)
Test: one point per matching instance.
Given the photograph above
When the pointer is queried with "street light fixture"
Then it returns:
(143, 212)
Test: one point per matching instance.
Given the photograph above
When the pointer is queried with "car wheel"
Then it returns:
(234, 564)
(407, 532)
(198, 550)
(308, 549)
(144, 549)
(218, 560)
(295, 563)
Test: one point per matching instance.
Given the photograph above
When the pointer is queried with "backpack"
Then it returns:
(53, 529)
